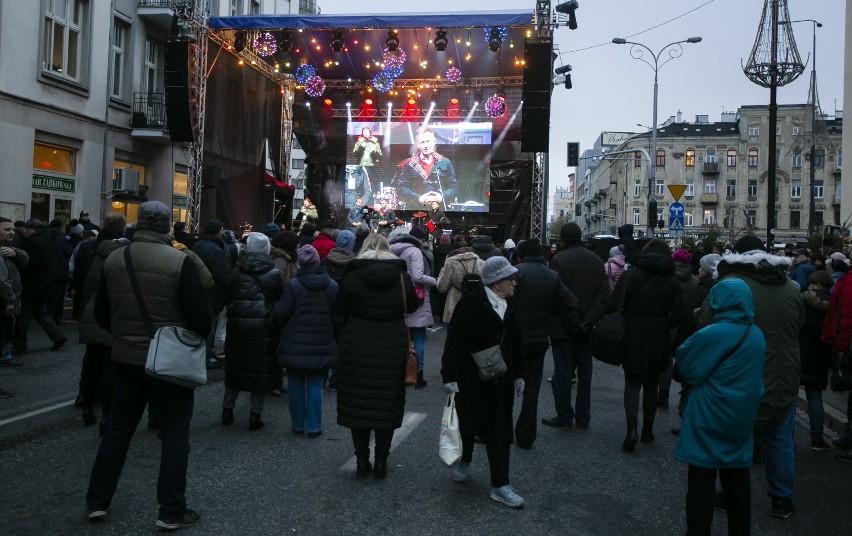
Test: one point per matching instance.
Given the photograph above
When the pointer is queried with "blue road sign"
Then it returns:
(676, 216)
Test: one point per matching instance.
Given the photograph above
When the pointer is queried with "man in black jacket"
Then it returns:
(484, 247)
(540, 295)
(211, 249)
(583, 273)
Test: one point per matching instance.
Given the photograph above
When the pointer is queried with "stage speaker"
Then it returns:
(177, 87)
(535, 112)
(210, 176)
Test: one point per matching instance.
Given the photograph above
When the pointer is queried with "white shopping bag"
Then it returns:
(221, 327)
(450, 445)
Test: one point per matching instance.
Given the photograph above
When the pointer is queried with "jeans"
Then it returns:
(701, 489)
(498, 456)
(778, 454)
(173, 405)
(418, 338)
(361, 442)
(816, 412)
(526, 426)
(305, 392)
(257, 400)
(568, 355)
(96, 377)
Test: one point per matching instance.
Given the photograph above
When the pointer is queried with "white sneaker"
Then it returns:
(97, 515)
(506, 495)
(462, 472)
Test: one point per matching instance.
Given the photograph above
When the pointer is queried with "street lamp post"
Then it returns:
(675, 50)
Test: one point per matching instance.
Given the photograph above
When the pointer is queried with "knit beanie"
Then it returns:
(346, 240)
(709, 262)
(153, 215)
(401, 230)
(615, 250)
(258, 243)
(307, 256)
(76, 230)
(682, 255)
(509, 244)
(180, 226)
(528, 248)
(445, 239)
(418, 232)
(271, 229)
(211, 227)
(748, 243)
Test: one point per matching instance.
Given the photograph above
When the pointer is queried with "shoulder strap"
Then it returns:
(404, 306)
(736, 347)
(131, 273)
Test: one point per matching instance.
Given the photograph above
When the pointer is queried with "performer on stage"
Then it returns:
(358, 215)
(308, 213)
(384, 219)
(427, 176)
(437, 220)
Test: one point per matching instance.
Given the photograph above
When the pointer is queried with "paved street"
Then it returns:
(271, 482)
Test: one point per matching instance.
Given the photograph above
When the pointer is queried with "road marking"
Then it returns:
(410, 421)
(36, 412)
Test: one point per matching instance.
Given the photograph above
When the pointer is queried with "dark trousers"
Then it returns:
(633, 383)
(56, 302)
(35, 309)
(361, 441)
(96, 377)
(172, 404)
(526, 426)
(497, 451)
(570, 355)
(701, 489)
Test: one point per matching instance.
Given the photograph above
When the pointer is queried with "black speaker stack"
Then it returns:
(535, 112)
(178, 91)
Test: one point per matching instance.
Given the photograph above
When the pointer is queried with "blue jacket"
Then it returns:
(716, 432)
(307, 341)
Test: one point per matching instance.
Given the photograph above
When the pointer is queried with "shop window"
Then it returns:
(53, 158)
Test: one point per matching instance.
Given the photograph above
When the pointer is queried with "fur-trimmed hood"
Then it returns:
(767, 268)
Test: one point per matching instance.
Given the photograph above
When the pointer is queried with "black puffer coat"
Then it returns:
(815, 354)
(252, 331)
(90, 331)
(650, 314)
(305, 312)
(371, 373)
(483, 407)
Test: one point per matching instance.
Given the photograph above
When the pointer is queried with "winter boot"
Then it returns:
(630, 439)
(663, 399)
(421, 382)
(363, 467)
(648, 427)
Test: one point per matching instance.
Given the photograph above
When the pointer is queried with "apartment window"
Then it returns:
(732, 158)
(637, 159)
(64, 38)
(710, 155)
(297, 163)
(118, 55)
(797, 158)
(752, 187)
(149, 70)
(778, 157)
(709, 186)
(661, 158)
(751, 217)
(53, 158)
(796, 188)
(731, 188)
(661, 218)
(690, 188)
(637, 187)
(819, 158)
(255, 7)
(637, 220)
(659, 187)
(690, 158)
(688, 220)
(797, 130)
(819, 188)
(753, 131)
(752, 157)
(236, 7)
(795, 219)
(179, 182)
(709, 216)
(818, 219)
(731, 218)
(837, 215)
(838, 161)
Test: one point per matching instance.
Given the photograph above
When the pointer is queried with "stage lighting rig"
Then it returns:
(562, 70)
(494, 40)
(239, 42)
(569, 8)
(392, 42)
(441, 40)
(337, 41)
(568, 84)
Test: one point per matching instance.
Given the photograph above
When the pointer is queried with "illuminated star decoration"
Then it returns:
(500, 29)
(264, 44)
(394, 62)
(495, 106)
(383, 82)
(315, 86)
(304, 72)
(454, 75)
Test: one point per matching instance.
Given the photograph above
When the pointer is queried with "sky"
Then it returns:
(613, 92)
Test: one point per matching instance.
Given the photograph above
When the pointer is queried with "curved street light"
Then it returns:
(637, 52)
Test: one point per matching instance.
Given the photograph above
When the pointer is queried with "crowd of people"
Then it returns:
(336, 310)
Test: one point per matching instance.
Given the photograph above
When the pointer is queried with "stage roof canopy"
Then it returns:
(364, 37)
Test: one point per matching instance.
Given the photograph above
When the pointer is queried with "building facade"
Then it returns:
(723, 167)
(82, 105)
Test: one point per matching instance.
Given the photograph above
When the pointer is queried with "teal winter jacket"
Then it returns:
(716, 432)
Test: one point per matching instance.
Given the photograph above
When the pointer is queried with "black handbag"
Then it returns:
(608, 342)
(841, 373)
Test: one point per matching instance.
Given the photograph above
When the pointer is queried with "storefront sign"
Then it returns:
(179, 201)
(42, 182)
(612, 139)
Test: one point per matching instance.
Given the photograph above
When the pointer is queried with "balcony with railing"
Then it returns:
(160, 13)
(710, 168)
(149, 120)
(307, 7)
(709, 199)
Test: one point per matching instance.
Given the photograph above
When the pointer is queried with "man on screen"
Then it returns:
(427, 176)
(384, 219)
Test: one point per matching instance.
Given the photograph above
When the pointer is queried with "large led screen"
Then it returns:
(411, 166)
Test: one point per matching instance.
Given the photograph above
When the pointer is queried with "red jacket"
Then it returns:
(837, 326)
(323, 244)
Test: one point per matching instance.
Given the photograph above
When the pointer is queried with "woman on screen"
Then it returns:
(427, 176)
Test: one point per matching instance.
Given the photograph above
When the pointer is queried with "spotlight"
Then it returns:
(327, 101)
(337, 41)
(562, 70)
(239, 42)
(411, 101)
(478, 96)
(433, 98)
(441, 40)
(347, 100)
(368, 101)
(454, 101)
(568, 84)
(285, 43)
(569, 8)
(494, 40)
(392, 42)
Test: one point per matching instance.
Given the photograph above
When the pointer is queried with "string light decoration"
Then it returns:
(265, 45)
(304, 72)
(315, 86)
(394, 61)
(453, 75)
(383, 82)
(495, 106)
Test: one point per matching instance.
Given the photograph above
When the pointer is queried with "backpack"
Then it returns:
(470, 281)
